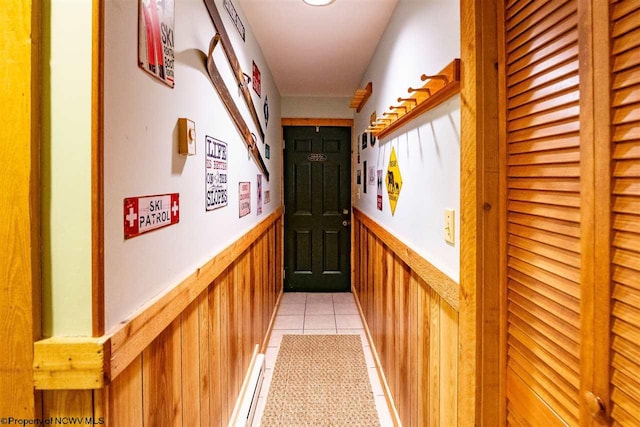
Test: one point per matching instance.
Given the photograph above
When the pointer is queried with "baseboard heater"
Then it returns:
(245, 408)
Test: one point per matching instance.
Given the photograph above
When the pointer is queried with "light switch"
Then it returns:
(449, 224)
(186, 137)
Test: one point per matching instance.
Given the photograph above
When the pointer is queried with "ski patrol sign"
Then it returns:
(147, 213)
(394, 181)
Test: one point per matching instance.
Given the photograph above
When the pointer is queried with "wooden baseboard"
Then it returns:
(267, 336)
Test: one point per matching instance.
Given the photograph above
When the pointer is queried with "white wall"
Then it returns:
(141, 156)
(421, 37)
(316, 107)
(66, 180)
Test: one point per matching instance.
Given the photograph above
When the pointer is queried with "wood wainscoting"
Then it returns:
(182, 360)
(411, 316)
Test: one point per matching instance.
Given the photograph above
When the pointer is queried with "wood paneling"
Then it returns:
(413, 328)
(136, 334)
(191, 372)
(19, 195)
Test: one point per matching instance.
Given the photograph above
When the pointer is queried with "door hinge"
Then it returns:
(284, 273)
(284, 144)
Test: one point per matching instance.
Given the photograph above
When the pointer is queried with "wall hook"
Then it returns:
(442, 77)
(412, 100)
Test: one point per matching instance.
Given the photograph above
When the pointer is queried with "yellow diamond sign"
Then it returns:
(394, 181)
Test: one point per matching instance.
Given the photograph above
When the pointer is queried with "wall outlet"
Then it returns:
(449, 226)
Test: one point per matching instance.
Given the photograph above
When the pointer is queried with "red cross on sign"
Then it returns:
(147, 213)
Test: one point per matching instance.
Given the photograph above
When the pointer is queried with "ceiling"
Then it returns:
(317, 50)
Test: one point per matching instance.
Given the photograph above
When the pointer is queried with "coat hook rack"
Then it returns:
(437, 89)
(361, 97)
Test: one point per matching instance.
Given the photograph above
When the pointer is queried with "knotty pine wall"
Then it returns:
(414, 328)
(191, 373)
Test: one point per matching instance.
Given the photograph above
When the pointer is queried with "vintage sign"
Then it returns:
(380, 189)
(359, 177)
(259, 195)
(394, 181)
(358, 146)
(231, 10)
(216, 177)
(372, 175)
(257, 82)
(267, 196)
(244, 198)
(267, 151)
(147, 213)
(156, 23)
(364, 140)
(317, 157)
(265, 107)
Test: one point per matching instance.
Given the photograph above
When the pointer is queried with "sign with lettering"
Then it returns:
(216, 177)
(257, 80)
(317, 157)
(394, 181)
(156, 23)
(244, 198)
(380, 189)
(267, 196)
(259, 195)
(147, 213)
(231, 10)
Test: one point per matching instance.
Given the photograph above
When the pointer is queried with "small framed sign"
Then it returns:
(244, 198)
(257, 84)
(147, 213)
(156, 24)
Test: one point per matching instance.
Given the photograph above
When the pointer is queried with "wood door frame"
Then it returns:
(20, 256)
(336, 122)
(479, 387)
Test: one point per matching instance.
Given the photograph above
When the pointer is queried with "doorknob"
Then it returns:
(595, 406)
(346, 223)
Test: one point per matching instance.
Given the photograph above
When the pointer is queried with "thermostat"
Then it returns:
(186, 137)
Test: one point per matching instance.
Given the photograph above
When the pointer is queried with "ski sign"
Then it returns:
(148, 213)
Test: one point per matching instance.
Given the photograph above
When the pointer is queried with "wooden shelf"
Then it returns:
(437, 89)
(361, 97)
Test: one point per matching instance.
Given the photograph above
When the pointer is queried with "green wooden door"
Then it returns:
(317, 177)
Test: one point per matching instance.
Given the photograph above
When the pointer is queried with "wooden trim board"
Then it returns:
(70, 363)
(440, 282)
(97, 172)
(20, 260)
(137, 333)
(317, 122)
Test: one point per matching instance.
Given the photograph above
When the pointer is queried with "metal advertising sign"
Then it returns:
(147, 213)
(394, 181)
(380, 189)
(156, 23)
(244, 198)
(257, 80)
(215, 173)
(259, 195)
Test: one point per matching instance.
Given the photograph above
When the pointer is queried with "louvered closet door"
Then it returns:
(625, 355)
(543, 215)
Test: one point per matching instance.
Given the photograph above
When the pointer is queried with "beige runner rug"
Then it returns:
(320, 380)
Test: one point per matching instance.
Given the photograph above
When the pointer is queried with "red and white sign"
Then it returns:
(147, 213)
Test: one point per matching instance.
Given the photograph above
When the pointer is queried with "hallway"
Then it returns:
(320, 314)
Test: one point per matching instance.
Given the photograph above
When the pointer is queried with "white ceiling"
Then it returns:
(318, 50)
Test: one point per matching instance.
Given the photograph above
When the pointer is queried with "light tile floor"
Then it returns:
(319, 313)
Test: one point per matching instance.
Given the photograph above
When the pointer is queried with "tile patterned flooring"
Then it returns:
(319, 313)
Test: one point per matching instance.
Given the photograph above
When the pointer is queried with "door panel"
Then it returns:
(543, 291)
(625, 215)
(317, 192)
